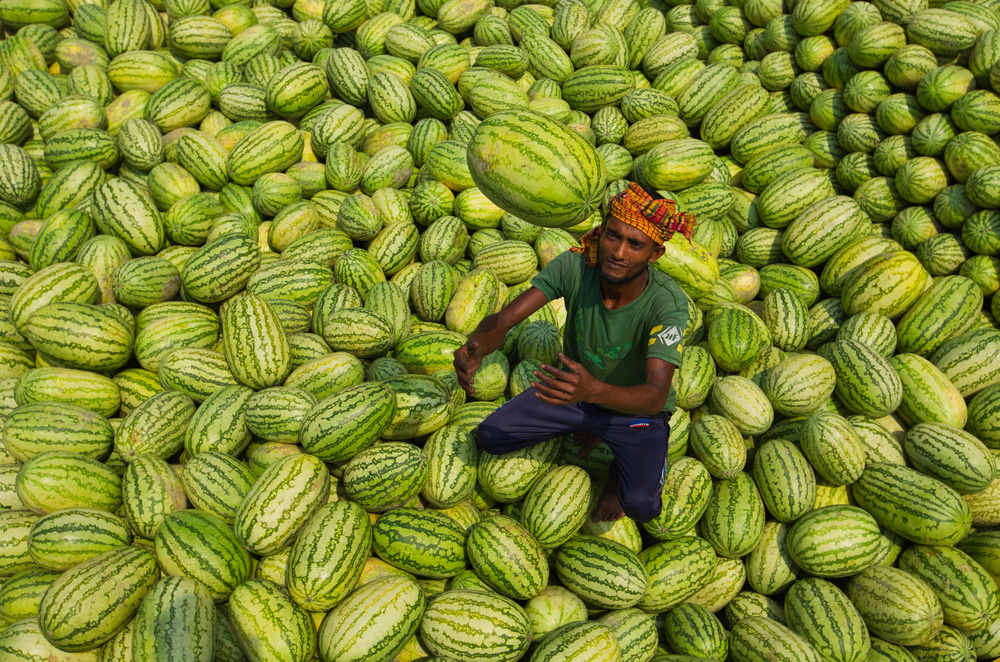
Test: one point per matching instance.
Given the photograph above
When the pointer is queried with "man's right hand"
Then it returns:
(468, 358)
(489, 335)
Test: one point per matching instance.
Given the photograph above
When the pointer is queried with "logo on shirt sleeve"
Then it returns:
(669, 336)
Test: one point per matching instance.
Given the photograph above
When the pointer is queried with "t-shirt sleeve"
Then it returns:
(556, 279)
(667, 330)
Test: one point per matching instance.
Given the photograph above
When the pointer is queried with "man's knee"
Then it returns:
(490, 436)
(641, 510)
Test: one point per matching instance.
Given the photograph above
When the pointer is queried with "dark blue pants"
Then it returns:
(638, 443)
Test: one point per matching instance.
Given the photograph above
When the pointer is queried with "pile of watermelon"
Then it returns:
(240, 243)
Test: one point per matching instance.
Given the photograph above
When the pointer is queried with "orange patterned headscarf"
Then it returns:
(657, 219)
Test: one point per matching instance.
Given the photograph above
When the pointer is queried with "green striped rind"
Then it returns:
(255, 344)
(970, 360)
(161, 336)
(983, 416)
(952, 455)
(280, 502)
(736, 337)
(854, 254)
(821, 614)
(65, 538)
(327, 374)
(328, 556)
(799, 385)
(201, 546)
(676, 570)
(89, 603)
(122, 210)
(834, 541)
(586, 640)
(73, 387)
(694, 378)
(182, 102)
(269, 625)
(686, 491)
(968, 595)
(734, 518)
(732, 112)
(766, 133)
(220, 269)
(59, 282)
(690, 629)
(218, 425)
(822, 229)
(155, 427)
(271, 147)
(895, 605)
(451, 457)
(16, 525)
(60, 237)
(57, 480)
(556, 506)
(385, 476)
(566, 168)
(151, 490)
(423, 542)
(506, 557)
(374, 622)
(705, 89)
(176, 620)
(276, 414)
(786, 481)
(832, 447)
(343, 424)
(769, 567)
(866, 382)
(718, 444)
(761, 639)
(950, 642)
(297, 88)
(915, 506)
(21, 593)
(216, 483)
(364, 333)
(741, 401)
(197, 373)
(591, 88)
(204, 157)
(423, 404)
(475, 626)
(435, 93)
(512, 261)
(943, 312)
(888, 284)
(791, 194)
(880, 444)
(300, 281)
(508, 477)
(602, 572)
(79, 335)
(48, 426)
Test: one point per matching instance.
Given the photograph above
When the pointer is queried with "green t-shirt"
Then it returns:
(613, 345)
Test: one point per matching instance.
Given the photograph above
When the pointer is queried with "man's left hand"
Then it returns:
(569, 386)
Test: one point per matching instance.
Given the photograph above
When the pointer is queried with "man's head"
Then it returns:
(624, 252)
(632, 235)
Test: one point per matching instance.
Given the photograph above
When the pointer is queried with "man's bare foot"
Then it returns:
(587, 441)
(608, 508)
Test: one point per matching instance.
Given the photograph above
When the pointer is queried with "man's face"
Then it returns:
(624, 252)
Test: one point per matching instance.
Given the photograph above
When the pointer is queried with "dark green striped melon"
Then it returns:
(535, 168)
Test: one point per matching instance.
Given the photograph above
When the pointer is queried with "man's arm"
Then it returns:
(490, 332)
(575, 384)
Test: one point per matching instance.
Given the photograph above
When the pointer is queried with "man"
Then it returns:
(624, 326)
